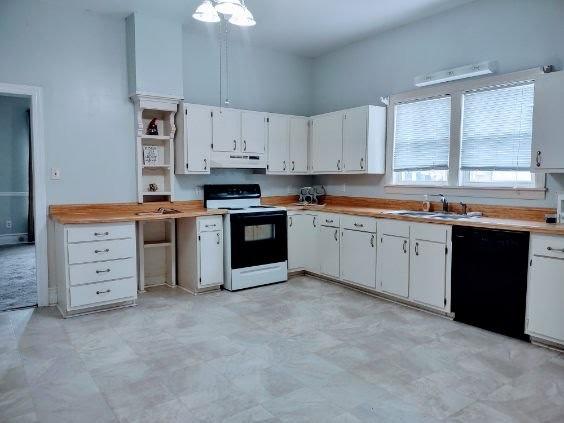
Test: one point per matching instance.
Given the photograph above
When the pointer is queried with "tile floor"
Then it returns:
(306, 350)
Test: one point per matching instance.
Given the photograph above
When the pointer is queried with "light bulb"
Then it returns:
(244, 17)
(206, 13)
(228, 7)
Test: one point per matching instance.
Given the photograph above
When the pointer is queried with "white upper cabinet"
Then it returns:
(278, 144)
(226, 130)
(548, 124)
(254, 132)
(299, 136)
(193, 139)
(327, 143)
(350, 141)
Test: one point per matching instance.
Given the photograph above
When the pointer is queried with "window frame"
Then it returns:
(456, 90)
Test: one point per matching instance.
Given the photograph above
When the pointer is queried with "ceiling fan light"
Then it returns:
(244, 17)
(206, 13)
(228, 7)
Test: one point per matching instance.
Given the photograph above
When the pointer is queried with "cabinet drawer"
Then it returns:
(210, 223)
(394, 228)
(429, 232)
(87, 252)
(358, 223)
(122, 290)
(101, 271)
(329, 219)
(85, 233)
(548, 246)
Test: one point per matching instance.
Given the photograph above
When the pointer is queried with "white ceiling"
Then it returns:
(305, 27)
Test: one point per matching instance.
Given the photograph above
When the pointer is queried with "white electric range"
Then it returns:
(256, 241)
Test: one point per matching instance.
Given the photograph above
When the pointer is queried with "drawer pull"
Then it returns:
(107, 250)
(103, 271)
(211, 226)
(558, 250)
(101, 233)
(359, 225)
(107, 291)
(328, 220)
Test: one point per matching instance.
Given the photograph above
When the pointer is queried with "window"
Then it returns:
(422, 141)
(497, 130)
(465, 136)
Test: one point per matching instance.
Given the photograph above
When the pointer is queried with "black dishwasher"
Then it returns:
(489, 279)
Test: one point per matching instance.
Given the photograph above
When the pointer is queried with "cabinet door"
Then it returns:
(211, 258)
(278, 144)
(297, 241)
(253, 125)
(355, 130)
(328, 247)
(358, 257)
(327, 143)
(198, 138)
(299, 131)
(311, 242)
(226, 130)
(393, 259)
(427, 273)
(545, 294)
(548, 123)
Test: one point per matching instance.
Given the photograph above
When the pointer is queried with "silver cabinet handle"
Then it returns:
(359, 225)
(290, 219)
(314, 222)
(539, 158)
(284, 164)
(336, 235)
(103, 271)
(416, 248)
(210, 226)
(293, 165)
(338, 165)
(244, 145)
(372, 241)
(558, 250)
(405, 246)
(107, 291)
(107, 250)
(101, 233)
(205, 164)
(234, 145)
(218, 238)
(362, 163)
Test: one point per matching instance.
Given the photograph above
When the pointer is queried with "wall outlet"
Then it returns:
(55, 174)
(8, 224)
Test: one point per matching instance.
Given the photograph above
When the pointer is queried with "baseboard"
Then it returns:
(53, 296)
(13, 239)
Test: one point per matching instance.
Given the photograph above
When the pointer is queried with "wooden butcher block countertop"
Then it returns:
(127, 212)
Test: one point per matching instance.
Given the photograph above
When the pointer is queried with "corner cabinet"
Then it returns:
(193, 140)
(349, 141)
(545, 290)
(548, 124)
(200, 253)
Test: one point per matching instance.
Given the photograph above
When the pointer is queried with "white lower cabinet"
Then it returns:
(200, 253)
(95, 266)
(427, 273)
(393, 259)
(545, 290)
(358, 257)
(328, 250)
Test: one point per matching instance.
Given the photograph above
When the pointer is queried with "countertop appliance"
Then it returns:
(256, 251)
(489, 279)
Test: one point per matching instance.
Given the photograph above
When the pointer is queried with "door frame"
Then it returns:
(35, 94)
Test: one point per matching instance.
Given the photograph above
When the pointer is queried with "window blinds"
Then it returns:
(422, 135)
(497, 129)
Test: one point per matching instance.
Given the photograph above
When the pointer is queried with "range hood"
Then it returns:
(238, 160)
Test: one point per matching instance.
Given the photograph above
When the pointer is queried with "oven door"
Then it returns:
(258, 238)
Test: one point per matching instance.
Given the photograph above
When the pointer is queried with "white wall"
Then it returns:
(14, 163)
(79, 58)
(517, 34)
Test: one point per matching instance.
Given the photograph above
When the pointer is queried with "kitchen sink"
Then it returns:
(435, 215)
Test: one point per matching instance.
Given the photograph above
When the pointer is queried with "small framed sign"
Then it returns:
(150, 155)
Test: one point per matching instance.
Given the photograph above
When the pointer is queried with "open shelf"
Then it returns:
(164, 166)
(157, 244)
(157, 193)
(157, 253)
(155, 138)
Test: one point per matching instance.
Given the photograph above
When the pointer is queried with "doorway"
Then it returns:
(23, 213)
(18, 281)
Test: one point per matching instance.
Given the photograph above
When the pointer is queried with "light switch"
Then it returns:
(55, 173)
